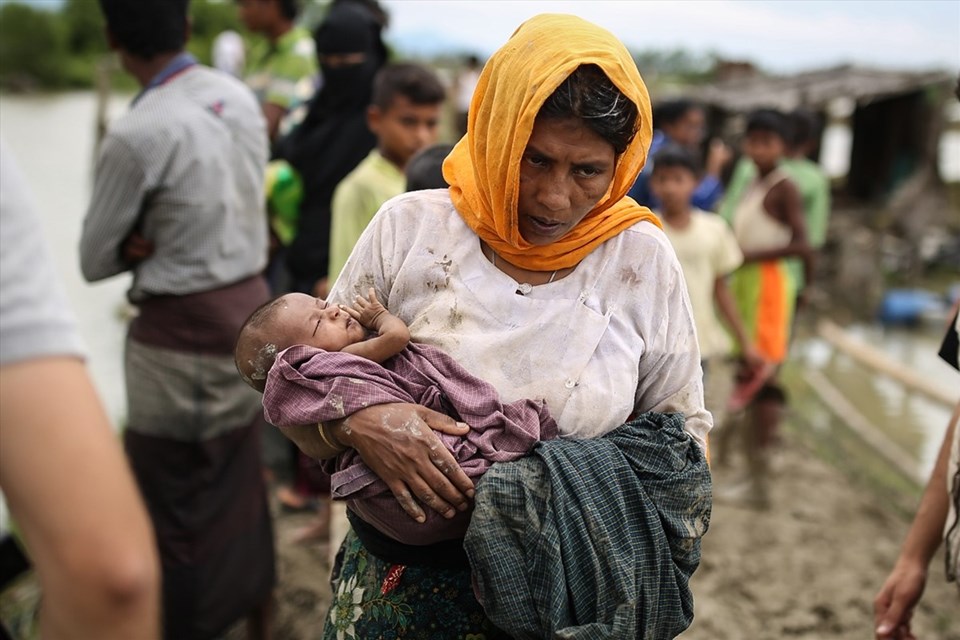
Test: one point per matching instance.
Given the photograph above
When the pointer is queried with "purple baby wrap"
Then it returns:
(308, 385)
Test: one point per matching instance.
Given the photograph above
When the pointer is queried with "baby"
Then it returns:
(317, 362)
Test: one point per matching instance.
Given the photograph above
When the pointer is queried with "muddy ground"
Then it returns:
(807, 568)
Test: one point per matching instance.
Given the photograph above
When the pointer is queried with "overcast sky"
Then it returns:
(779, 35)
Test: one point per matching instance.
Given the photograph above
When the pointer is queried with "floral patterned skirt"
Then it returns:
(374, 599)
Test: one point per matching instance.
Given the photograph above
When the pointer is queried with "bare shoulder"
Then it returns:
(786, 188)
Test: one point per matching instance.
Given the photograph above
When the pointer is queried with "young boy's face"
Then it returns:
(765, 148)
(303, 319)
(404, 128)
(673, 186)
(688, 130)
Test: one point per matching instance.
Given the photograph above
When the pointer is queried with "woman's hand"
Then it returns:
(398, 443)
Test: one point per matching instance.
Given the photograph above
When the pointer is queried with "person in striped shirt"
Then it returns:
(178, 203)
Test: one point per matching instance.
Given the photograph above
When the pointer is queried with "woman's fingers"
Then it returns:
(417, 491)
(428, 497)
(453, 477)
(407, 503)
(438, 482)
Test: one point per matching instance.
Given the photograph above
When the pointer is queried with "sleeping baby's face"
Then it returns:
(303, 319)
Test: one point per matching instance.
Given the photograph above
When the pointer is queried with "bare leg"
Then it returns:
(319, 528)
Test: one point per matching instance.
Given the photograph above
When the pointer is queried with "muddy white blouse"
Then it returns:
(612, 339)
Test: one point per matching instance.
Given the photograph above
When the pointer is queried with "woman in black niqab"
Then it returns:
(333, 138)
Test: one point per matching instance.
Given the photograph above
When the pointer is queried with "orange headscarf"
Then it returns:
(483, 170)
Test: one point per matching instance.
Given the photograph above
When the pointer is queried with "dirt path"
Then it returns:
(810, 566)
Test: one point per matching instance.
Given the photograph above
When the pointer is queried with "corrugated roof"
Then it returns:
(815, 89)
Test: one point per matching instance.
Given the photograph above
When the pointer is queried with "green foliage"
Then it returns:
(84, 26)
(32, 46)
(60, 49)
(677, 65)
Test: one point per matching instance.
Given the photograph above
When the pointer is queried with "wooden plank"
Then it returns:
(879, 361)
(843, 409)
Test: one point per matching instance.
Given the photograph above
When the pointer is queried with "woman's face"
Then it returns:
(565, 170)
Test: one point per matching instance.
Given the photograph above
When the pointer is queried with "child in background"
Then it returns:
(282, 66)
(407, 99)
(807, 175)
(317, 363)
(684, 123)
(708, 253)
(769, 226)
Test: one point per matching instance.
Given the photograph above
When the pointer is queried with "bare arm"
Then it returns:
(309, 440)
(728, 310)
(73, 496)
(893, 605)
(392, 334)
(274, 114)
(784, 202)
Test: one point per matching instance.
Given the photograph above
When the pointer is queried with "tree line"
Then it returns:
(58, 45)
(49, 46)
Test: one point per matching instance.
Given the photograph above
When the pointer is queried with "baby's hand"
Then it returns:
(367, 311)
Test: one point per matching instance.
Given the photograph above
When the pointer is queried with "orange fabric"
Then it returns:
(483, 170)
(773, 321)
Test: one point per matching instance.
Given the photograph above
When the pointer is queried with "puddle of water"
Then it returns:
(911, 420)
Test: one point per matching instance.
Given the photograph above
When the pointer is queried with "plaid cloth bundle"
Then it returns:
(593, 538)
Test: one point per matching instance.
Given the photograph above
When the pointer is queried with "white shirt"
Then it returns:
(229, 53)
(613, 338)
(466, 84)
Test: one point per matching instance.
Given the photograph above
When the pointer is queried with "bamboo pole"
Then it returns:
(882, 363)
(838, 404)
(105, 66)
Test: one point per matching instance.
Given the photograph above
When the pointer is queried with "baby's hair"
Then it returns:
(673, 155)
(253, 361)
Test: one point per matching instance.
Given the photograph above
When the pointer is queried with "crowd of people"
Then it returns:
(562, 302)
